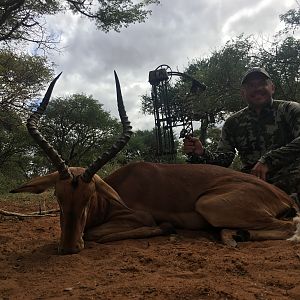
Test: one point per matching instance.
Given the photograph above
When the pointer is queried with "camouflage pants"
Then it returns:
(287, 178)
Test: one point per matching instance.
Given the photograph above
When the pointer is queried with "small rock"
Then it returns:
(173, 238)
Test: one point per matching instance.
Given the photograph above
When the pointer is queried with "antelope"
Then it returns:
(142, 199)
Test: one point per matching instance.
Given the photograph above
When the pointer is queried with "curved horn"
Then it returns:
(120, 143)
(32, 122)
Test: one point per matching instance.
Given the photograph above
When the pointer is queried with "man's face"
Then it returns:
(257, 90)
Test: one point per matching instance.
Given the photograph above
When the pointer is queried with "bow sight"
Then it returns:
(171, 110)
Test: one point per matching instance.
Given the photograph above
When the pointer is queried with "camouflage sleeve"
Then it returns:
(281, 156)
(225, 152)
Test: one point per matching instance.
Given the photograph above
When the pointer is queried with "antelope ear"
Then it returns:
(107, 191)
(38, 185)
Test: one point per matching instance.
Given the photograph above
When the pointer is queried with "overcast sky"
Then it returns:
(177, 32)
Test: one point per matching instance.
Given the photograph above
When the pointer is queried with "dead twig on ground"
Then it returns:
(46, 213)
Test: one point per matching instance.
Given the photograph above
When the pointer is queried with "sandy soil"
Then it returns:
(189, 265)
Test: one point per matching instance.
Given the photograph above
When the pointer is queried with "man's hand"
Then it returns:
(192, 145)
(260, 170)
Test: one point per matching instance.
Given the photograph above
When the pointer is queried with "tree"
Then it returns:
(21, 20)
(24, 21)
(78, 128)
(13, 137)
(222, 72)
(282, 61)
(291, 19)
(142, 146)
(15, 146)
(21, 79)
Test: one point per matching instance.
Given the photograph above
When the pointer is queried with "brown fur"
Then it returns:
(134, 200)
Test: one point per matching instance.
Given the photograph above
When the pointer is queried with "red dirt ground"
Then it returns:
(189, 265)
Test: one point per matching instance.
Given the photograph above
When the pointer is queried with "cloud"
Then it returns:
(176, 32)
(261, 18)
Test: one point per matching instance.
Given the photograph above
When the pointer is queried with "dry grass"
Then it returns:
(28, 202)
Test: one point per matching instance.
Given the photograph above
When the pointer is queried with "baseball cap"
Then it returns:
(253, 71)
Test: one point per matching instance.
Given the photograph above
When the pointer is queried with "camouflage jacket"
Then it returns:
(273, 137)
